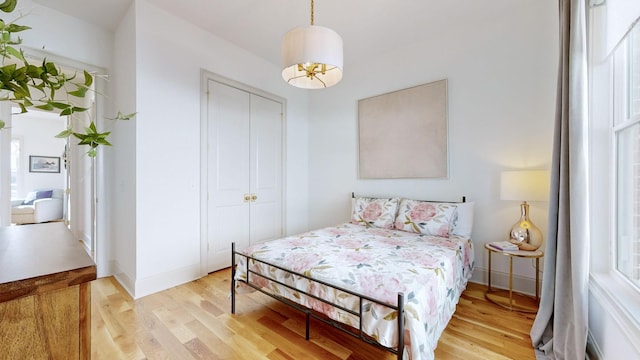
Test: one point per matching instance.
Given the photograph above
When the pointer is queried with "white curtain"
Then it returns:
(560, 328)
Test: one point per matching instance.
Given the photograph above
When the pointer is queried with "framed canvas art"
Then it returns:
(44, 164)
(403, 134)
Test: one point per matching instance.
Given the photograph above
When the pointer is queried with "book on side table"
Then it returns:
(504, 246)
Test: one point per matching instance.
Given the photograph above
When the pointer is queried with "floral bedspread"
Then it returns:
(431, 271)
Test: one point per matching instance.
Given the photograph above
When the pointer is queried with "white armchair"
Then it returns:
(41, 210)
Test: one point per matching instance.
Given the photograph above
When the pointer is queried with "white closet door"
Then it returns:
(228, 116)
(266, 169)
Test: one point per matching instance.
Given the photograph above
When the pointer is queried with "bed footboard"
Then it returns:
(358, 333)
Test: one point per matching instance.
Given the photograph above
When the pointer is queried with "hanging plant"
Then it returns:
(35, 86)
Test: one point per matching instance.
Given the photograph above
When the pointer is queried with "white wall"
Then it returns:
(170, 54)
(60, 34)
(121, 158)
(501, 72)
(36, 130)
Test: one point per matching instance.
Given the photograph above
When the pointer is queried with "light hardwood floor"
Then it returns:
(193, 321)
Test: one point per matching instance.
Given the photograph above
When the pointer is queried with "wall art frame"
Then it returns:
(44, 164)
(404, 133)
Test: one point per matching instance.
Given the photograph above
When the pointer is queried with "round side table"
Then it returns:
(510, 299)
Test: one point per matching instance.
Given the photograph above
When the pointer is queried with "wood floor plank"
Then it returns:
(193, 321)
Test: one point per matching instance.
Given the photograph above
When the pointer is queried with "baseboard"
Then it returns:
(500, 280)
(125, 281)
(166, 280)
(593, 351)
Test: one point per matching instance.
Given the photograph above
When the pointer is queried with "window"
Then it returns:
(614, 176)
(15, 166)
(626, 140)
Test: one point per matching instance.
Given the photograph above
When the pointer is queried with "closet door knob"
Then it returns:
(254, 197)
(247, 198)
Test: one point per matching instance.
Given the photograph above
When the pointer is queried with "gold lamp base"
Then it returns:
(524, 233)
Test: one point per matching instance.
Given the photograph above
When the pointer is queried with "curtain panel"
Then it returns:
(560, 328)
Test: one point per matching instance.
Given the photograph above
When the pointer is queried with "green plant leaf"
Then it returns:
(14, 28)
(120, 116)
(103, 142)
(45, 107)
(65, 133)
(34, 71)
(51, 68)
(8, 5)
(88, 79)
(59, 105)
(79, 136)
(81, 91)
(8, 69)
(15, 53)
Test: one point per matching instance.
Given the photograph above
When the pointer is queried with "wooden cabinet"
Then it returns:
(45, 294)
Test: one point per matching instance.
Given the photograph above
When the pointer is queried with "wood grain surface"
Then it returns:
(193, 321)
(45, 293)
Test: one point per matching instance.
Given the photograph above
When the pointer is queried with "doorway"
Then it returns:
(33, 142)
(81, 186)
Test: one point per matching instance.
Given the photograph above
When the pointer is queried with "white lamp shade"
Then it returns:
(312, 44)
(525, 185)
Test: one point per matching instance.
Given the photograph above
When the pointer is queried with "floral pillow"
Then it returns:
(374, 212)
(428, 218)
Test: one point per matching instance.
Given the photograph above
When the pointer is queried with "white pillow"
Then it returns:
(464, 224)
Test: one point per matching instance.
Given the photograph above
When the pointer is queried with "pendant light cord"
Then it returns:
(311, 12)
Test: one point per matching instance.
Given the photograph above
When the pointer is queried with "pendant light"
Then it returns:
(312, 56)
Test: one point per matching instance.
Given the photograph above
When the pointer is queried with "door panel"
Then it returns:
(228, 172)
(266, 166)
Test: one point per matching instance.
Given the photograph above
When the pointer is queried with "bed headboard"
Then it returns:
(462, 223)
(464, 199)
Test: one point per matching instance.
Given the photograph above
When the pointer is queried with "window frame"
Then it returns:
(19, 164)
(607, 285)
(622, 119)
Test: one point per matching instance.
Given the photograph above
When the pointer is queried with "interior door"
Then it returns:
(266, 170)
(244, 170)
(228, 117)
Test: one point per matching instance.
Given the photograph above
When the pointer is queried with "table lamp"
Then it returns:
(525, 185)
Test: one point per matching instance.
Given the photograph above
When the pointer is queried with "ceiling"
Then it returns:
(368, 27)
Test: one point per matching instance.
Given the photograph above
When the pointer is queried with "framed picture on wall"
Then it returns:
(403, 134)
(44, 164)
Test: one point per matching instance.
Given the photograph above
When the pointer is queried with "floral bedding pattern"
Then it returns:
(428, 218)
(374, 212)
(431, 271)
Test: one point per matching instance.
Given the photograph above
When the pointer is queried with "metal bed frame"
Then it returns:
(357, 333)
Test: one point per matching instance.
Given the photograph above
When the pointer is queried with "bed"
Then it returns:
(392, 276)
